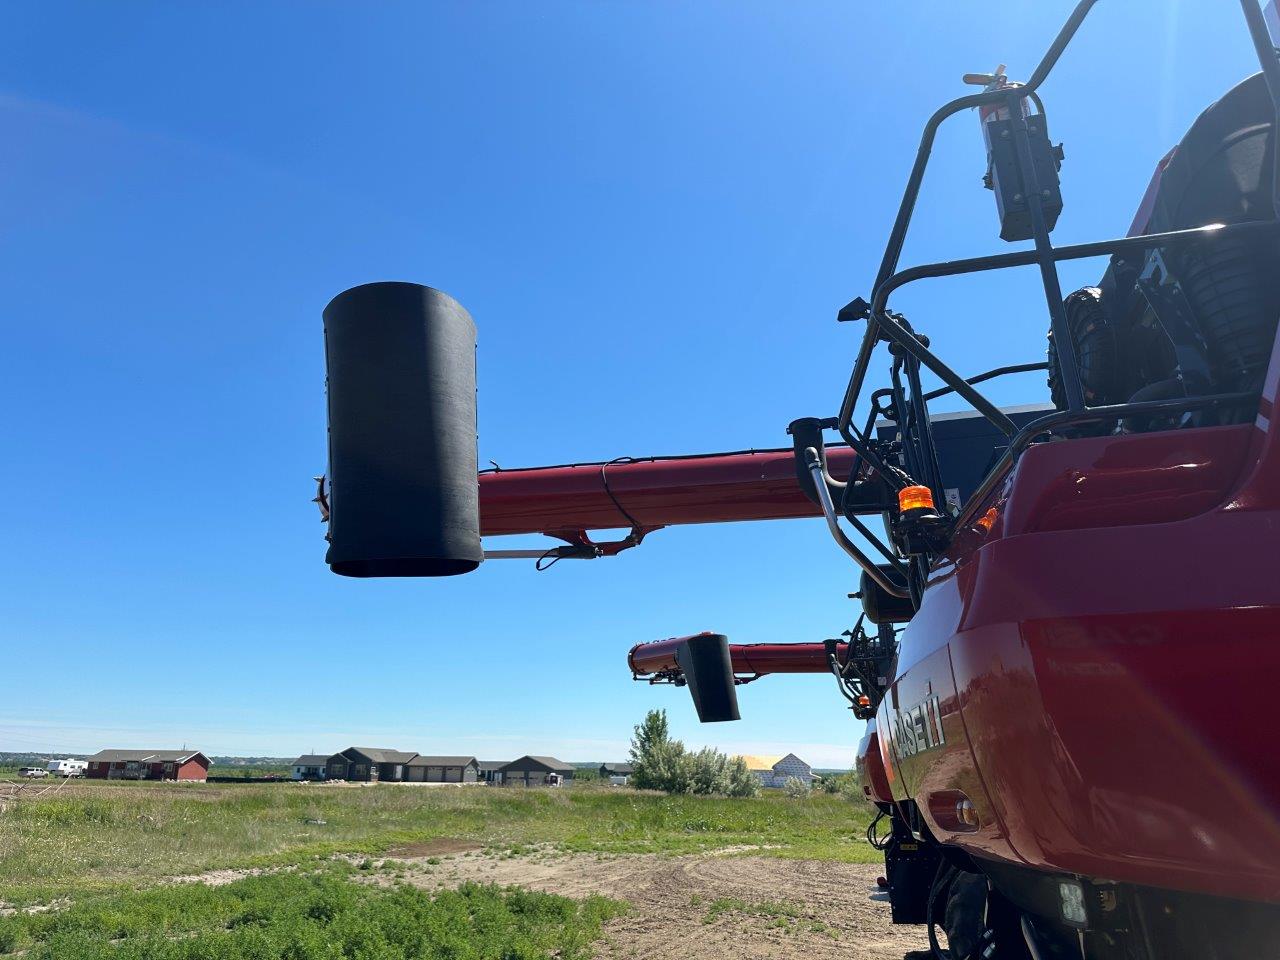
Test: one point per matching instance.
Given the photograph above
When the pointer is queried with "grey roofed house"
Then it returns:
(382, 755)
(532, 771)
(422, 760)
(368, 764)
(156, 756)
(616, 769)
(551, 763)
(489, 768)
(424, 769)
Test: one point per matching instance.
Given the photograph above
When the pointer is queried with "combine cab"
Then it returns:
(1070, 613)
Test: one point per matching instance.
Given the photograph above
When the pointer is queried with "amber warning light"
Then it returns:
(915, 498)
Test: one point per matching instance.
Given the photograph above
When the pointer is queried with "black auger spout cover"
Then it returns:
(402, 433)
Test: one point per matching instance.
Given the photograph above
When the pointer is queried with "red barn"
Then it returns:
(148, 765)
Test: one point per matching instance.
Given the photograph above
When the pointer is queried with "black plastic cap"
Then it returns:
(404, 495)
(881, 606)
(704, 660)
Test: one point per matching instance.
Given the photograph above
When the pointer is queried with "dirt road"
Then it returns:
(709, 907)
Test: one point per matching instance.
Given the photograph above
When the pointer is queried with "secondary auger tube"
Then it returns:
(403, 495)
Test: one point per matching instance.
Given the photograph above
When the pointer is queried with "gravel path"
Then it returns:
(688, 907)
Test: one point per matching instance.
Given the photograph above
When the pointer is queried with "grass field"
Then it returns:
(316, 914)
(94, 836)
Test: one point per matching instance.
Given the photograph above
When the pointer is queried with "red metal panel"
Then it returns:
(658, 492)
(931, 750)
(1111, 651)
(871, 769)
(1149, 478)
(1186, 791)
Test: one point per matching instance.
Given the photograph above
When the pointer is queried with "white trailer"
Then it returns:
(68, 767)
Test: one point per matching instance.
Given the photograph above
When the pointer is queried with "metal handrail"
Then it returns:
(898, 235)
(877, 321)
(991, 375)
(908, 342)
(872, 570)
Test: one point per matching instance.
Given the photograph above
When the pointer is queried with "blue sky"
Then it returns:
(653, 211)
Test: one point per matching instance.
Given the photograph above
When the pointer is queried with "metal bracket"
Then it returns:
(676, 678)
(321, 499)
(580, 547)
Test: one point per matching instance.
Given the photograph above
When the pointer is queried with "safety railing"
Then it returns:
(913, 352)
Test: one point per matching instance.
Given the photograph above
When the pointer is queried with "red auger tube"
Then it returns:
(650, 493)
(646, 659)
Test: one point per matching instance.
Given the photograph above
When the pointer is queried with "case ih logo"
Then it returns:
(918, 728)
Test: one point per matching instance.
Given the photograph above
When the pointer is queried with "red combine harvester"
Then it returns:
(1071, 622)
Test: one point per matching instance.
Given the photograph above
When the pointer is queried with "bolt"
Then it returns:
(1004, 134)
(1017, 198)
(1046, 194)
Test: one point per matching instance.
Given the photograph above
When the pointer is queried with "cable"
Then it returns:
(751, 451)
(873, 833)
(540, 566)
(604, 479)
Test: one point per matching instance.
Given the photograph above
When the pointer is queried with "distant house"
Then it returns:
(148, 765)
(488, 770)
(442, 770)
(608, 771)
(311, 766)
(776, 771)
(535, 772)
(368, 764)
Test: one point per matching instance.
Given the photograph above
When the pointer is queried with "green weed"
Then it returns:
(781, 912)
(292, 916)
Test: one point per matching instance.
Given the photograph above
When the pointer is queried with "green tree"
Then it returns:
(653, 731)
(795, 788)
(742, 782)
(658, 760)
(673, 768)
(663, 764)
(709, 772)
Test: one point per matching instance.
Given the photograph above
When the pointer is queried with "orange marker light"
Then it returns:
(864, 701)
(987, 520)
(915, 498)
